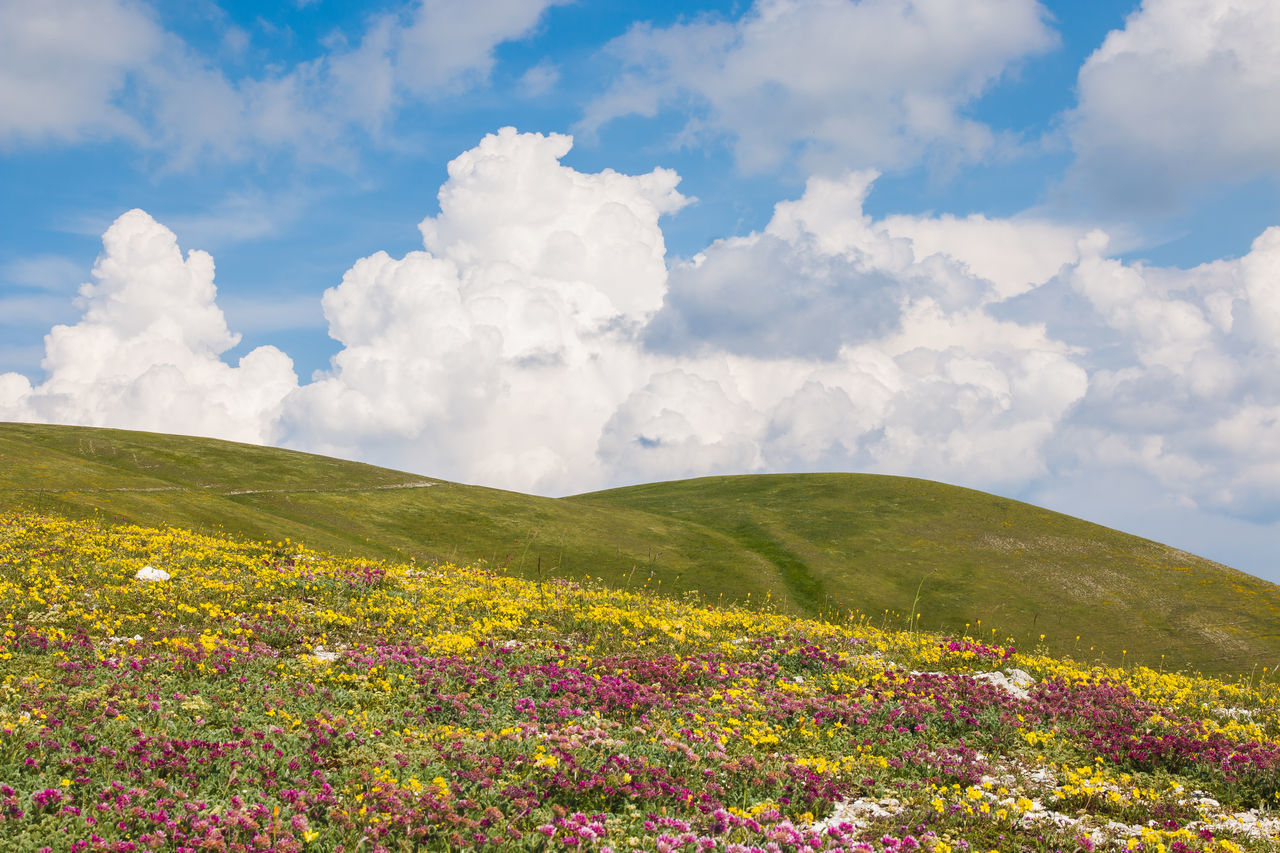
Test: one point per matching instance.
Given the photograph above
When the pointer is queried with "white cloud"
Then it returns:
(681, 422)
(63, 64)
(1015, 255)
(510, 352)
(539, 343)
(1259, 272)
(449, 43)
(72, 69)
(539, 80)
(1182, 97)
(872, 83)
(519, 347)
(52, 273)
(145, 353)
(1182, 373)
(823, 274)
(498, 352)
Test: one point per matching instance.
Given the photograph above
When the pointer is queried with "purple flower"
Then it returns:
(47, 797)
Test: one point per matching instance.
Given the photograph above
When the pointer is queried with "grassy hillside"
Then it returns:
(973, 561)
(351, 508)
(805, 544)
(267, 698)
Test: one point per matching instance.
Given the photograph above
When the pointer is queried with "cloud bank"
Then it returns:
(540, 341)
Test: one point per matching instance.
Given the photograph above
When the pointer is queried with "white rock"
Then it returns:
(326, 656)
(1118, 829)
(135, 639)
(146, 573)
(1020, 678)
(1015, 683)
(1042, 776)
(859, 813)
(1235, 713)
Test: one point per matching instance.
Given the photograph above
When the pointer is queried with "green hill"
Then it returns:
(883, 546)
(967, 558)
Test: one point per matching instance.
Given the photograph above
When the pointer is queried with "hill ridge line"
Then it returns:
(847, 545)
(416, 485)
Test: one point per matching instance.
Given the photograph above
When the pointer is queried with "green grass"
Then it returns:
(351, 508)
(871, 542)
(807, 544)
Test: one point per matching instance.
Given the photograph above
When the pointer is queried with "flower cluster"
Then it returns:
(266, 697)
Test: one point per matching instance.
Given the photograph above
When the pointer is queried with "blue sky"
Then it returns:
(1016, 245)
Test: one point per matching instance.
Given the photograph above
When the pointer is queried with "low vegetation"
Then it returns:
(889, 547)
(168, 690)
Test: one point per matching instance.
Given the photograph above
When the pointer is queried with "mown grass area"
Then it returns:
(265, 696)
(884, 547)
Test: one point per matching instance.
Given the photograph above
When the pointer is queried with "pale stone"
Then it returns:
(147, 573)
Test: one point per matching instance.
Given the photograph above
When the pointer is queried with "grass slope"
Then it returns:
(971, 561)
(351, 508)
(967, 560)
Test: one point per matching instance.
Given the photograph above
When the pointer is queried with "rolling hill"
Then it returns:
(883, 547)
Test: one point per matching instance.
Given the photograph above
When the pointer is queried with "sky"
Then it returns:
(1026, 247)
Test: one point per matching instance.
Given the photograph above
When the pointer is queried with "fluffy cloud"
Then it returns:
(539, 341)
(498, 352)
(449, 43)
(71, 69)
(62, 64)
(1182, 366)
(875, 83)
(146, 352)
(1180, 98)
(1013, 255)
(824, 275)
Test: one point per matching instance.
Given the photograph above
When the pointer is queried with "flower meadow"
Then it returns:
(261, 696)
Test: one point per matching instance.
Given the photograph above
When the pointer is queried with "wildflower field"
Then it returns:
(266, 697)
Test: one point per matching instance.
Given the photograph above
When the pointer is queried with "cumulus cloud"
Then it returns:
(76, 69)
(539, 341)
(496, 353)
(1180, 98)
(145, 353)
(1013, 255)
(1182, 366)
(823, 274)
(873, 83)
